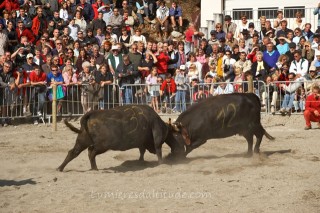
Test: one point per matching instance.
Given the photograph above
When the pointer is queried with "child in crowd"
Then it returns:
(153, 88)
(299, 99)
(168, 89)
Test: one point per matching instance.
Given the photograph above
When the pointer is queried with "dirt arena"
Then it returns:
(216, 177)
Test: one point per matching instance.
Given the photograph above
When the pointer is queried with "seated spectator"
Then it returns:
(279, 18)
(311, 79)
(223, 88)
(213, 39)
(290, 53)
(115, 22)
(138, 37)
(283, 46)
(128, 21)
(162, 20)
(270, 56)
(299, 66)
(312, 108)
(260, 69)
(220, 33)
(228, 25)
(243, 25)
(175, 13)
(307, 32)
(243, 63)
(228, 67)
(307, 52)
(290, 90)
(283, 29)
(298, 22)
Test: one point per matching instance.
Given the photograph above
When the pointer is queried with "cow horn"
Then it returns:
(169, 121)
(175, 127)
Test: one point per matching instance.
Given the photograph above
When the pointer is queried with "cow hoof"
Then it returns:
(94, 169)
(59, 169)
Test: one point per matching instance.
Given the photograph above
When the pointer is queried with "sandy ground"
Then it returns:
(216, 177)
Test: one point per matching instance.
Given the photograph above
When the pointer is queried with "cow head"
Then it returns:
(180, 132)
(177, 148)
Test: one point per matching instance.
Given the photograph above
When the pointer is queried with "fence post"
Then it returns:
(250, 84)
(54, 107)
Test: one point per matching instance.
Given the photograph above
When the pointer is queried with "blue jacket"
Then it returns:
(175, 12)
(272, 59)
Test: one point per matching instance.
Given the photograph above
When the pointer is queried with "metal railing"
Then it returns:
(77, 100)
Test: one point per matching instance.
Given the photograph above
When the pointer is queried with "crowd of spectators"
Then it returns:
(96, 44)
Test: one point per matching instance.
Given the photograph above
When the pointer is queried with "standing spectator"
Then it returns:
(270, 92)
(290, 89)
(39, 23)
(86, 80)
(38, 80)
(181, 81)
(175, 13)
(312, 108)
(7, 86)
(191, 35)
(168, 90)
(153, 88)
(9, 5)
(3, 40)
(86, 9)
(105, 79)
(228, 25)
(163, 59)
(162, 20)
(243, 63)
(126, 73)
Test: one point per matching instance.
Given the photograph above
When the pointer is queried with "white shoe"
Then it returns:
(35, 122)
(39, 113)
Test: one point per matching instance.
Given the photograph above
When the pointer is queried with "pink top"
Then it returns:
(202, 59)
(67, 79)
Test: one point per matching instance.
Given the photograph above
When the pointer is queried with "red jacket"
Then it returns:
(26, 32)
(312, 104)
(169, 87)
(162, 63)
(9, 5)
(36, 25)
(95, 8)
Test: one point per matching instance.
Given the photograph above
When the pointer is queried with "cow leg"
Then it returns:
(142, 151)
(259, 134)
(249, 138)
(159, 153)
(73, 153)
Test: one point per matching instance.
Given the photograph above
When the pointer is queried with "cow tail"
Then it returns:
(268, 135)
(71, 127)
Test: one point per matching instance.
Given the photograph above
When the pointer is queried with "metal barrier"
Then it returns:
(35, 102)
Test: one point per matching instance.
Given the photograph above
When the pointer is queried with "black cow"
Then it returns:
(122, 128)
(219, 117)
